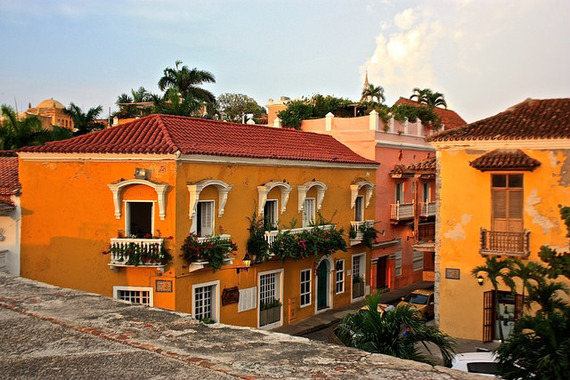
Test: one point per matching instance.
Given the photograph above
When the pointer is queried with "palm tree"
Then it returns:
(371, 92)
(16, 133)
(84, 122)
(374, 332)
(526, 273)
(428, 97)
(495, 270)
(546, 295)
(186, 82)
(127, 103)
(173, 104)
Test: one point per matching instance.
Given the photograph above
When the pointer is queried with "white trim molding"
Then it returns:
(264, 189)
(355, 188)
(196, 188)
(304, 189)
(158, 187)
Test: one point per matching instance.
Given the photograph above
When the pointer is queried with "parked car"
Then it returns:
(422, 300)
(482, 363)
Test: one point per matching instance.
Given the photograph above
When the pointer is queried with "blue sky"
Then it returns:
(483, 55)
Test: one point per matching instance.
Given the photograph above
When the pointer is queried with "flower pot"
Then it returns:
(268, 316)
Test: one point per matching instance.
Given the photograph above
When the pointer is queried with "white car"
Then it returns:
(482, 363)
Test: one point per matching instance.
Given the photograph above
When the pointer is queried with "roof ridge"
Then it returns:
(166, 132)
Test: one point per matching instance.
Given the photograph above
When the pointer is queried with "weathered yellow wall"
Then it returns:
(68, 221)
(464, 196)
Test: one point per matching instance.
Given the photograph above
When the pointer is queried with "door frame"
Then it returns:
(329, 289)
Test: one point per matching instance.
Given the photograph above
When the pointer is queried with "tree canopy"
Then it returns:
(16, 132)
(234, 106)
(428, 97)
(84, 122)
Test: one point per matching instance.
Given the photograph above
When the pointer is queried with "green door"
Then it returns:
(322, 285)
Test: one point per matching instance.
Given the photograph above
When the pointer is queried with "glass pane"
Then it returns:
(515, 180)
(499, 180)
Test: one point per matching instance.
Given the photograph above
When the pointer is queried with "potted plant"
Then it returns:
(212, 250)
(269, 312)
(357, 286)
(257, 245)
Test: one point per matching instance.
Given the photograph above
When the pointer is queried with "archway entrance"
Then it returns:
(323, 285)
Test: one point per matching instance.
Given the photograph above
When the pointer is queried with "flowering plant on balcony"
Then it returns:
(257, 244)
(214, 250)
(368, 234)
(316, 241)
(134, 253)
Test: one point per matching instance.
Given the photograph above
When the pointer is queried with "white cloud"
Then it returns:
(483, 55)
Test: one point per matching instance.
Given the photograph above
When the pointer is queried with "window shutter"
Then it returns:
(206, 220)
(499, 204)
(488, 316)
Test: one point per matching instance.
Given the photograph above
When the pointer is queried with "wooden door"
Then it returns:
(488, 316)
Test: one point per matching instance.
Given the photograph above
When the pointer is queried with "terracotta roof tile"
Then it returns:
(449, 119)
(530, 119)
(9, 180)
(166, 134)
(425, 165)
(505, 160)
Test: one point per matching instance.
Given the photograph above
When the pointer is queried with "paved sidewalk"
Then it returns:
(331, 317)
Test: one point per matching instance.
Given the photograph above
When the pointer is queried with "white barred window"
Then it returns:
(267, 288)
(339, 284)
(203, 302)
(305, 287)
(142, 296)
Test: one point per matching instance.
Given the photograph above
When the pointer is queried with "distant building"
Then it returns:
(499, 185)
(50, 112)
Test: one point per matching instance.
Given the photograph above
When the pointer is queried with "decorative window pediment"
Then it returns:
(196, 188)
(304, 189)
(158, 187)
(505, 160)
(355, 188)
(264, 189)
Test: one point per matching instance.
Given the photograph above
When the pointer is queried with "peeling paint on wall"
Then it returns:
(565, 169)
(531, 201)
(458, 232)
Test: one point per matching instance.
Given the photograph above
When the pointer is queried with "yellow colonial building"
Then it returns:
(50, 112)
(160, 211)
(499, 185)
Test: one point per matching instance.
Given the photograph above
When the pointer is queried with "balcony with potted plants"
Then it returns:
(213, 251)
(362, 232)
(146, 252)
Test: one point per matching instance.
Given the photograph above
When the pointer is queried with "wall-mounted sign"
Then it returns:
(230, 295)
(452, 273)
(163, 286)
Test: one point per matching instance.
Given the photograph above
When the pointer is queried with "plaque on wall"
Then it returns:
(452, 273)
(163, 286)
(230, 295)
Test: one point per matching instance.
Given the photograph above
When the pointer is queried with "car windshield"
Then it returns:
(417, 299)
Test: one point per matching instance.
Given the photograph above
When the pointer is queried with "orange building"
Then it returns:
(100, 209)
(499, 186)
(50, 112)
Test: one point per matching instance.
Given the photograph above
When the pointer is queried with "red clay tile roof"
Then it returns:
(505, 160)
(530, 119)
(425, 165)
(167, 134)
(9, 181)
(449, 119)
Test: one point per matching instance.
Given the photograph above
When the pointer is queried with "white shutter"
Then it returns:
(206, 222)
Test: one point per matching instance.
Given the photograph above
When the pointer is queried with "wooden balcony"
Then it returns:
(505, 243)
(426, 232)
(125, 250)
(401, 211)
(427, 209)
(271, 235)
(355, 226)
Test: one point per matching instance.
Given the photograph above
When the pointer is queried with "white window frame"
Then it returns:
(359, 209)
(398, 263)
(274, 205)
(212, 216)
(215, 303)
(307, 293)
(278, 294)
(128, 215)
(117, 289)
(418, 261)
(339, 277)
(359, 270)
(309, 213)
